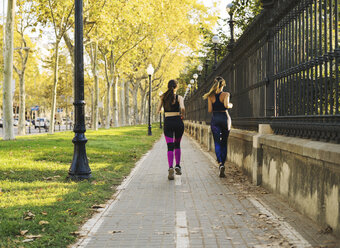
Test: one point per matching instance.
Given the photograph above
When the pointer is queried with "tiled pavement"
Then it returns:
(197, 209)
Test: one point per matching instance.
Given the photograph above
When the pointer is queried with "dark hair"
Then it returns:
(169, 96)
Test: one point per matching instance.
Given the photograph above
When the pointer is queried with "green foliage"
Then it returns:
(32, 178)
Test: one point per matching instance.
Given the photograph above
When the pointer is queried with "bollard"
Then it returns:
(59, 126)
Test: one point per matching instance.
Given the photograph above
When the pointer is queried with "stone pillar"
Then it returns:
(257, 153)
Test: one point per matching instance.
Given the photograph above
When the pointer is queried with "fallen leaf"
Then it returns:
(27, 240)
(98, 206)
(43, 222)
(116, 231)
(34, 236)
(28, 215)
(47, 178)
(23, 232)
(239, 213)
(229, 238)
(44, 213)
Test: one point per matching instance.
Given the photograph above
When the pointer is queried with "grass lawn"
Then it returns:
(38, 205)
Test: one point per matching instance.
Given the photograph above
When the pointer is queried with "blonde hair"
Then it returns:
(218, 83)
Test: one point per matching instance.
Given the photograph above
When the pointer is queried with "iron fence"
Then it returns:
(283, 70)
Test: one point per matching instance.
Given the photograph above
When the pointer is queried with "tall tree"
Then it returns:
(8, 132)
(59, 14)
(26, 20)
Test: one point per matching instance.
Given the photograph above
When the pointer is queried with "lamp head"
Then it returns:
(150, 70)
(199, 68)
(195, 76)
(215, 39)
(192, 81)
(229, 8)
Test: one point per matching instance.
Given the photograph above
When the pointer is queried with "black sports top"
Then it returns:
(173, 107)
(218, 105)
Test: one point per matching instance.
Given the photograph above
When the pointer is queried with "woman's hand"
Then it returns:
(230, 105)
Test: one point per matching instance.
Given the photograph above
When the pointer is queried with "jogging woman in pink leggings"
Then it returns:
(173, 125)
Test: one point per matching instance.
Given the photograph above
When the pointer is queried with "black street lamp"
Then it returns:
(230, 11)
(80, 168)
(192, 87)
(199, 69)
(195, 77)
(206, 66)
(215, 40)
(150, 71)
(160, 113)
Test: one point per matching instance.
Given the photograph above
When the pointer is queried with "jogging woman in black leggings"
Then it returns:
(173, 125)
(218, 103)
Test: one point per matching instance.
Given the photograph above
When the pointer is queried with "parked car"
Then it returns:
(41, 122)
(1, 122)
(15, 122)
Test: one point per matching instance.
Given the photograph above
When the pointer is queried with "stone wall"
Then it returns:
(305, 172)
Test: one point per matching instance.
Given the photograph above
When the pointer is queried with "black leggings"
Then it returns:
(173, 132)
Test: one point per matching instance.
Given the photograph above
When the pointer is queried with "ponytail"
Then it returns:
(169, 95)
(218, 83)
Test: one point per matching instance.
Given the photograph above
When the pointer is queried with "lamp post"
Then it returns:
(150, 72)
(215, 40)
(160, 113)
(192, 83)
(206, 66)
(80, 168)
(230, 11)
(195, 76)
(199, 69)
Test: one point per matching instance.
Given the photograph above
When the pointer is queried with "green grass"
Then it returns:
(33, 172)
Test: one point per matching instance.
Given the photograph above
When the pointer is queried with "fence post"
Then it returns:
(270, 88)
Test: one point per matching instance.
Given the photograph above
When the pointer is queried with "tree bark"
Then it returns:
(8, 131)
(135, 104)
(22, 105)
(127, 102)
(94, 49)
(55, 84)
(115, 103)
(122, 104)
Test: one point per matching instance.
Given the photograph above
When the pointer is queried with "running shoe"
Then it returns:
(171, 174)
(178, 170)
(222, 169)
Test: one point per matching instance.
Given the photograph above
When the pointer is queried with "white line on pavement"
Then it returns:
(182, 235)
(178, 180)
(286, 230)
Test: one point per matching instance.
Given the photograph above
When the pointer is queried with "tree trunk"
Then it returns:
(55, 84)
(22, 105)
(135, 104)
(122, 104)
(108, 110)
(115, 103)
(96, 85)
(92, 108)
(8, 132)
(127, 102)
(142, 104)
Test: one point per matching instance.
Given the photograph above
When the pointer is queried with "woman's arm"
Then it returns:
(209, 105)
(160, 104)
(181, 105)
(227, 104)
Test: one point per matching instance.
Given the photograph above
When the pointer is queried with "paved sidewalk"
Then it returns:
(197, 209)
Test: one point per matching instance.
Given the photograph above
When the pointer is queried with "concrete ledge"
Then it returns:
(312, 149)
